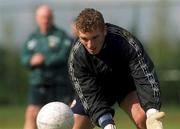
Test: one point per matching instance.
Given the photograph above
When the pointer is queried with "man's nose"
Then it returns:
(90, 44)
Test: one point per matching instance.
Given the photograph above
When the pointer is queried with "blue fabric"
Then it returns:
(105, 120)
(78, 108)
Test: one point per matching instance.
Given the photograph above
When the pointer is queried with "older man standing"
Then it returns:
(45, 54)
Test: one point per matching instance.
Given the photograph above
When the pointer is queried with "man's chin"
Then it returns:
(92, 52)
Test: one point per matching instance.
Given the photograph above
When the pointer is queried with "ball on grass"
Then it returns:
(55, 115)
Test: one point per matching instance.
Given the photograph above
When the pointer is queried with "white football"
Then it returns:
(55, 115)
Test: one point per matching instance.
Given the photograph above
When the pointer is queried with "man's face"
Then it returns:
(93, 41)
(44, 20)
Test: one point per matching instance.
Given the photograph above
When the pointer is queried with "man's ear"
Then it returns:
(77, 32)
(105, 30)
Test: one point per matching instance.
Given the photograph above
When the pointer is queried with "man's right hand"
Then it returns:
(110, 126)
(37, 59)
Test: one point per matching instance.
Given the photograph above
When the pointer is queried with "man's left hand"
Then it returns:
(154, 120)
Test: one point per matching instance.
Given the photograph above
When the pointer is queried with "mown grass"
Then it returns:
(12, 117)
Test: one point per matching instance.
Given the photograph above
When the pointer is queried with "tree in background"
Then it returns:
(164, 54)
(13, 77)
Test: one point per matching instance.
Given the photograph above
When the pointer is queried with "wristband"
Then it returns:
(105, 120)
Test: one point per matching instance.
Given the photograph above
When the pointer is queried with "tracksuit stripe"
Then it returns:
(149, 74)
(74, 79)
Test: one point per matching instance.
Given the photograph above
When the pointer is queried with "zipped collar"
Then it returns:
(51, 30)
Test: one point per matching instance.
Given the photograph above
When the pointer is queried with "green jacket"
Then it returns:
(55, 46)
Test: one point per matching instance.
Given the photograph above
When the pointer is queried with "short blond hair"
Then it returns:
(89, 19)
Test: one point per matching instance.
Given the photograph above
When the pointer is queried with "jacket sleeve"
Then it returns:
(143, 72)
(87, 88)
(26, 55)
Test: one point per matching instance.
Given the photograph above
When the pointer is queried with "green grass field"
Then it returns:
(12, 117)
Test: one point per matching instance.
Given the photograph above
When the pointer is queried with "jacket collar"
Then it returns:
(51, 30)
